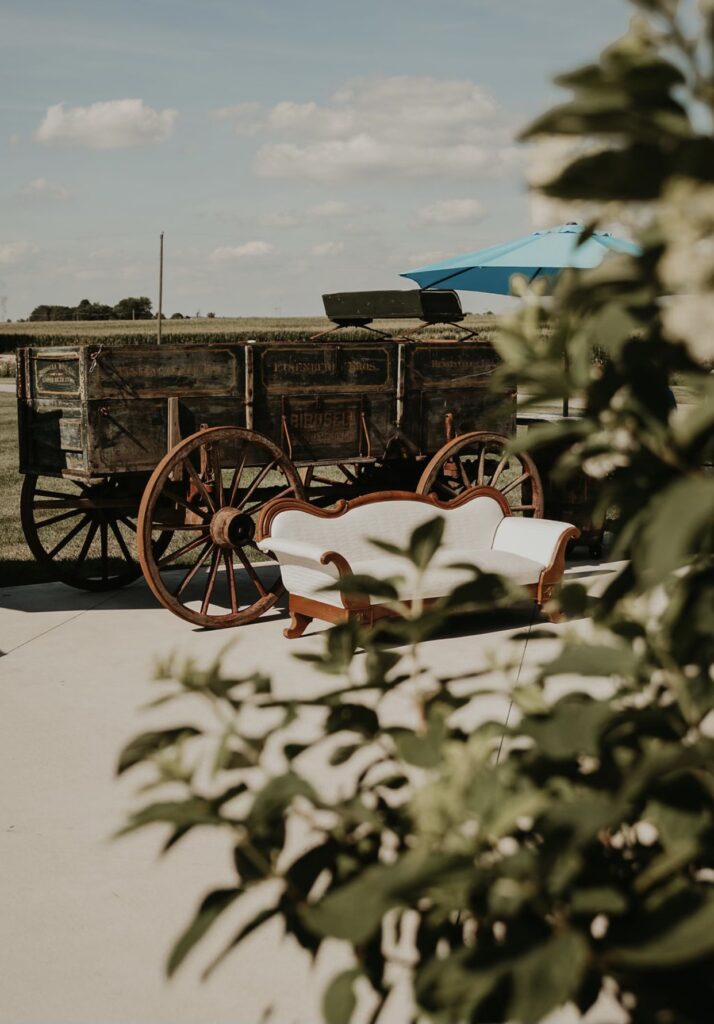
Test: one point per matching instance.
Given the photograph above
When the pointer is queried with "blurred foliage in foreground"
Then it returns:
(506, 875)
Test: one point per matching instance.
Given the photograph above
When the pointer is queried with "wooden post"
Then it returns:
(161, 286)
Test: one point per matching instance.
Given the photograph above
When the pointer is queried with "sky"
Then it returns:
(285, 149)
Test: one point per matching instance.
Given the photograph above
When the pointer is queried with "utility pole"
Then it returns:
(161, 286)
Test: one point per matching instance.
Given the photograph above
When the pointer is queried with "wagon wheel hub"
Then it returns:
(230, 528)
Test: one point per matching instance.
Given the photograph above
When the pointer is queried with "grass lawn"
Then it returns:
(16, 562)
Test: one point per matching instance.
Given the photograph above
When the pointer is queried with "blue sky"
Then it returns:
(285, 149)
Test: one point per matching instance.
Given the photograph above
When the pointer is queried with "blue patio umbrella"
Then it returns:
(541, 254)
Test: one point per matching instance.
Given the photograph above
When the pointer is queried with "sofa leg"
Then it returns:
(298, 625)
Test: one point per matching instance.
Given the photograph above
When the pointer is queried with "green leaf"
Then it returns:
(681, 516)
(592, 660)
(210, 909)
(304, 872)
(343, 753)
(193, 811)
(602, 899)
(339, 1001)
(425, 750)
(422, 750)
(572, 728)
(690, 938)
(547, 977)
(354, 911)
(149, 743)
(293, 750)
(276, 796)
(352, 718)
(256, 922)
(425, 541)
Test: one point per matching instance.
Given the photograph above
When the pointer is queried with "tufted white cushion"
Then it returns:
(440, 578)
(472, 525)
(534, 538)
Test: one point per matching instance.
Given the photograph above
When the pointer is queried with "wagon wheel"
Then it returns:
(210, 489)
(84, 533)
(326, 485)
(480, 459)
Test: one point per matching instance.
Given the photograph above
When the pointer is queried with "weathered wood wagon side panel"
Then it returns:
(51, 415)
(326, 401)
(448, 391)
(89, 411)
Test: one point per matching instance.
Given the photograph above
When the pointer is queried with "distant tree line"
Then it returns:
(126, 309)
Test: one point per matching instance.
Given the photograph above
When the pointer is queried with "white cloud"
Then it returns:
(327, 249)
(12, 253)
(246, 118)
(420, 259)
(452, 211)
(40, 189)
(280, 220)
(115, 124)
(227, 253)
(404, 126)
(330, 208)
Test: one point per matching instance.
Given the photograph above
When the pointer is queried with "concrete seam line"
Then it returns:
(58, 625)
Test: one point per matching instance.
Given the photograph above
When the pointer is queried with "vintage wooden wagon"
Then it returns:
(159, 458)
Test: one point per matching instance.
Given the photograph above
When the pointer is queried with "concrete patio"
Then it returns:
(86, 920)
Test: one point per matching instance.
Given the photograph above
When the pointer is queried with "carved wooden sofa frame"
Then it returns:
(360, 607)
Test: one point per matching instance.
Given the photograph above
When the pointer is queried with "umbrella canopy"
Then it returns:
(542, 254)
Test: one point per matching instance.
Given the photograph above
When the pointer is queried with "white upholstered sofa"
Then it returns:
(315, 547)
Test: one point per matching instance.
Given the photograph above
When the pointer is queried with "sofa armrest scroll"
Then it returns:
(537, 539)
(293, 549)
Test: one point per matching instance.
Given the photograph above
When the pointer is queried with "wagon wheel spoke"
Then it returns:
(498, 470)
(53, 494)
(127, 522)
(228, 559)
(254, 509)
(58, 519)
(462, 473)
(157, 527)
(249, 568)
(91, 533)
(179, 552)
(514, 483)
(348, 473)
(121, 542)
(256, 483)
(237, 474)
(481, 466)
(61, 545)
(104, 545)
(199, 484)
(179, 500)
(208, 592)
(192, 571)
(214, 462)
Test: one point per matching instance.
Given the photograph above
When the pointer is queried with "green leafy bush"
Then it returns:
(507, 871)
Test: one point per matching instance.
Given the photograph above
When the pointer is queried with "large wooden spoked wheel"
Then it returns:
(84, 534)
(481, 459)
(326, 485)
(209, 489)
